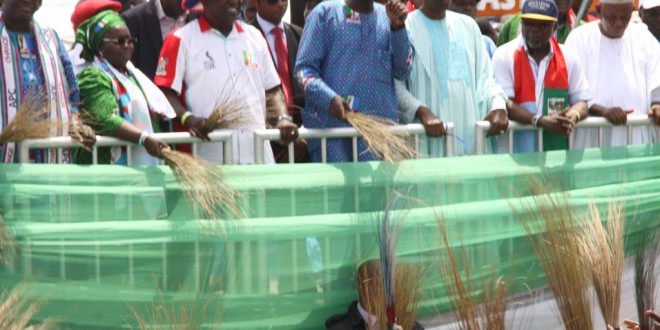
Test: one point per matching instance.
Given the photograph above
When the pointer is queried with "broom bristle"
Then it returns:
(225, 116)
(603, 252)
(230, 111)
(461, 290)
(460, 293)
(16, 311)
(203, 185)
(407, 295)
(647, 250)
(494, 296)
(188, 314)
(383, 143)
(31, 120)
(553, 232)
(7, 243)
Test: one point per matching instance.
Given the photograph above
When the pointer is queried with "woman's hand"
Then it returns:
(154, 145)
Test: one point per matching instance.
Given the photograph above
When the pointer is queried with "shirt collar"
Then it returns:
(368, 318)
(267, 26)
(205, 26)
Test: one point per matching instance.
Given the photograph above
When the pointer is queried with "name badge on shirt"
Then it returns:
(22, 46)
(351, 16)
(353, 102)
(555, 105)
(248, 59)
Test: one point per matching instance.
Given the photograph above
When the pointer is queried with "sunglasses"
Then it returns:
(122, 42)
(273, 2)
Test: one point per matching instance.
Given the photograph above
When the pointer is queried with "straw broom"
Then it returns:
(225, 115)
(16, 312)
(647, 250)
(495, 292)
(462, 292)
(188, 314)
(7, 244)
(203, 185)
(463, 302)
(376, 131)
(408, 293)
(603, 253)
(30, 122)
(229, 111)
(554, 236)
(393, 296)
(389, 233)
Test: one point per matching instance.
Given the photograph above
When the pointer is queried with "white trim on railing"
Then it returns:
(482, 127)
(263, 135)
(224, 136)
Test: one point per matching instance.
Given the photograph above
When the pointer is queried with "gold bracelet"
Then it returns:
(577, 113)
(185, 117)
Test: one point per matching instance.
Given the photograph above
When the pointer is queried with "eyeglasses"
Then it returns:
(272, 2)
(121, 42)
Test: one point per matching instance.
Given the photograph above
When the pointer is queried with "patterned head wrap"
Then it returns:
(90, 33)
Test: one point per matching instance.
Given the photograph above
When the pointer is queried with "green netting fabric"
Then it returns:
(95, 242)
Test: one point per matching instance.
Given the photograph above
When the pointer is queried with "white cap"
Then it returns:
(649, 4)
(617, 2)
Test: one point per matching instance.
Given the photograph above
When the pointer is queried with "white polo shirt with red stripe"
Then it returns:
(211, 69)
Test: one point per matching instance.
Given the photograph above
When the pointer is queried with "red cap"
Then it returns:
(86, 9)
(192, 5)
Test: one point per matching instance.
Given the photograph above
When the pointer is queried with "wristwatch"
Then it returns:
(284, 117)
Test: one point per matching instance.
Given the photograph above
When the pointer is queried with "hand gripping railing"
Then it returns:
(224, 136)
(482, 127)
(262, 135)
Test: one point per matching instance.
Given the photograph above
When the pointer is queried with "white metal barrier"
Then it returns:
(482, 127)
(224, 136)
(262, 135)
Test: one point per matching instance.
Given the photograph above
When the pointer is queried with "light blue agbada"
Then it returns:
(452, 76)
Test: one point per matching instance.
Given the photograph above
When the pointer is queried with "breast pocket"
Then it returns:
(384, 67)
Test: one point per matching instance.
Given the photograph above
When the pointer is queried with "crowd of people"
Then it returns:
(138, 67)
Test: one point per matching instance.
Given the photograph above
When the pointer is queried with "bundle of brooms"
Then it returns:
(16, 311)
(554, 233)
(191, 313)
(203, 185)
(7, 243)
(602, 250)
(647, 250)
(225, 115)
(392, 289)
(407, 294)
(30, 122)
(462, 290)
(383, 143)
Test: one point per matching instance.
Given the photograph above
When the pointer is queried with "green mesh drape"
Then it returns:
(96, 242)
